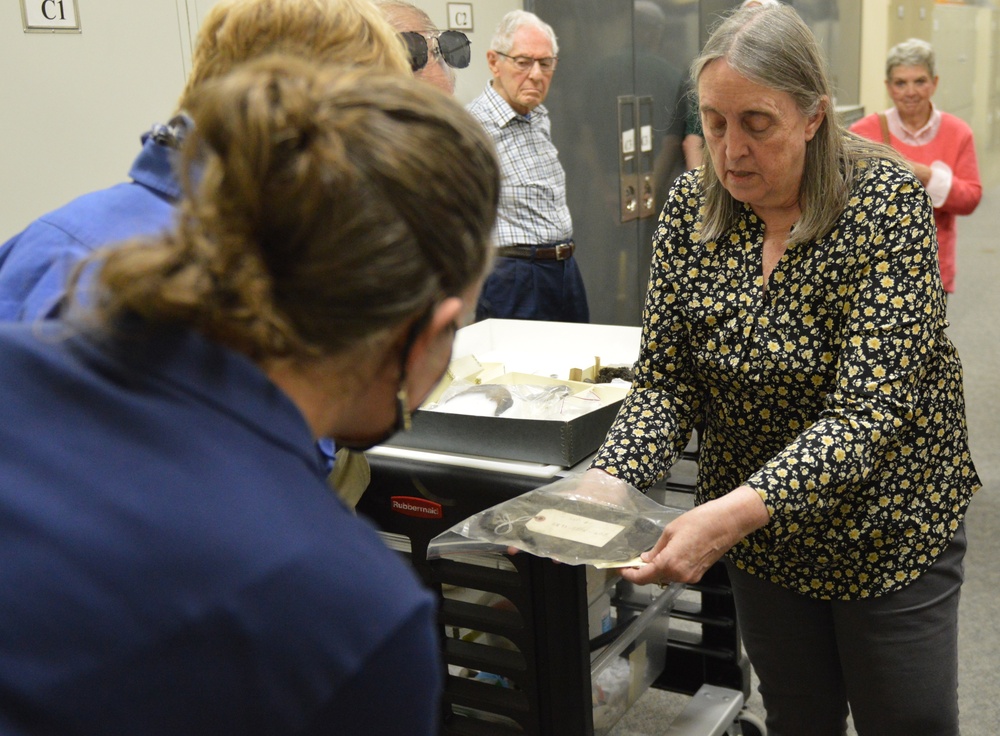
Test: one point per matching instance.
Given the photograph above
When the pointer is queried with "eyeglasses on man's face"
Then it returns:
(452, 46)
(525, 63)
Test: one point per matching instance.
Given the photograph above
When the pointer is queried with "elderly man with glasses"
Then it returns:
(535, 275)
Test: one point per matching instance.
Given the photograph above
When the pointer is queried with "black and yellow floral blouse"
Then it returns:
(834, 392)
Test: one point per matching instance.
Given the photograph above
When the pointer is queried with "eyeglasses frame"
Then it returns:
(540, 61)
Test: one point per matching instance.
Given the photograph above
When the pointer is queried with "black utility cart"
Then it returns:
(518, 632)
(534, 647)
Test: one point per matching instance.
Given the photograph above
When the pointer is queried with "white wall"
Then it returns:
(75, 104)
(874, 46)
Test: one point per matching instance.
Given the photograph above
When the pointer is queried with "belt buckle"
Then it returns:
(564, 251)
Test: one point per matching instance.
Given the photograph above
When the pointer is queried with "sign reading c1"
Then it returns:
(50, 16)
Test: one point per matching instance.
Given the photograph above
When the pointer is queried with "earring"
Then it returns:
(403, 419)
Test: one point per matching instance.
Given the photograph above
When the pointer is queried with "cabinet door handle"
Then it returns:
(628, 158)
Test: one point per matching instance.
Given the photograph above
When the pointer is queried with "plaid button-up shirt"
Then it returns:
(533, 207)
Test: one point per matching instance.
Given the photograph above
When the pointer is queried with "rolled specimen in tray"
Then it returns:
(498, 395)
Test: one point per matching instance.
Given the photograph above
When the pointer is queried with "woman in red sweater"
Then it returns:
(938, 145)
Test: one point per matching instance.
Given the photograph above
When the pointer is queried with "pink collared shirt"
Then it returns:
(914, 137)
(939, 185)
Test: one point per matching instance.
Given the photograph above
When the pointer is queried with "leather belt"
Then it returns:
(554, 252)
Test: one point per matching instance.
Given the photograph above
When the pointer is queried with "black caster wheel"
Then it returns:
(751, 725)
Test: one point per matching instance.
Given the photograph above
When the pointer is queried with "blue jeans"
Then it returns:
(521, 288)
(894, 658)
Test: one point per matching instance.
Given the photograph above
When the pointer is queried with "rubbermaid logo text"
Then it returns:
(419, 507)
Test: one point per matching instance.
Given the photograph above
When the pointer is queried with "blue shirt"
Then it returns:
(178, 564)
(35, 265)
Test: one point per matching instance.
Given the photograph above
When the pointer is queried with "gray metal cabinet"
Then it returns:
(618, 106)
(618, 102)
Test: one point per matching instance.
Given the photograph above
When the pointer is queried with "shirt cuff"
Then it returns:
(939, 187)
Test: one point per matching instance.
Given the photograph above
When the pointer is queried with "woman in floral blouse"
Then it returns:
(795, 309)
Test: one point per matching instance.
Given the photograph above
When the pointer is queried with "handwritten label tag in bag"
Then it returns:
(575, 528)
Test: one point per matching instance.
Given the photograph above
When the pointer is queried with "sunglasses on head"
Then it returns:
(453, 46)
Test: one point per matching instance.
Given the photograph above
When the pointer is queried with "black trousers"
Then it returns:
(893, 660)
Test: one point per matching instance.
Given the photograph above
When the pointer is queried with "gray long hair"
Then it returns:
(772, 46)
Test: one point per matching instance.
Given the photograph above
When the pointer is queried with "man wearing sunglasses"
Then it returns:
(434, 54)
(535, 275)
